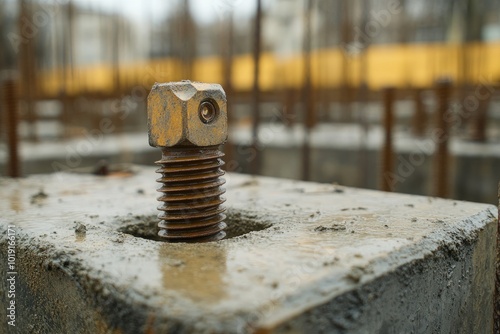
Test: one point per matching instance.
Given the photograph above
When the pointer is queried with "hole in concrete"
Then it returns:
(238, 223)
(241, 223)
(142, 227)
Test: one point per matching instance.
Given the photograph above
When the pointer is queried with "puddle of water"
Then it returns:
(197, 274)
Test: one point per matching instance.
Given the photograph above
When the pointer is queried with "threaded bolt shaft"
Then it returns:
(191, 179)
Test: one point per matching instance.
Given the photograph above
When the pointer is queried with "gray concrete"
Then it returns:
(497, 281)
(300, 258)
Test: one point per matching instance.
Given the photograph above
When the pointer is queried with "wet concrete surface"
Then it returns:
(299, 257)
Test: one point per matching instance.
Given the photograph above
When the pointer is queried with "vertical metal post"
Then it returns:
(227, 48)
(328, 89)
(364, 164)
(27, 67)
(345, 91)
(116, 33)
(419, 117)
(66, 59)
(309, 108)
(70, 38)
(289, 106)
(362, 97)
(256, 163)
(3, 32)
(188, 40)
(480, 121)
(115, 53)
(387, 151)
(10, 99)
(441, 168)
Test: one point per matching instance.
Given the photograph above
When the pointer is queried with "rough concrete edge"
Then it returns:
(496, 296)
(394, 260)
(95, 289)
(338, 308)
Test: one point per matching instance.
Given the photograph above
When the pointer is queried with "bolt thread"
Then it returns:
(191, 208)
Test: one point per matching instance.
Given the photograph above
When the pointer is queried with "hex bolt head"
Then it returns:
(187, 112)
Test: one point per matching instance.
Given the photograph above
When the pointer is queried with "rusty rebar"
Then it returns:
(188, 39)
(364, 164)
(419, 120)
(387, 150)
(27, 67)
(256, 163)
(289, 107)
(227, 55)
(309, 107)
(10, 98)
(441, 155)
(480, 121)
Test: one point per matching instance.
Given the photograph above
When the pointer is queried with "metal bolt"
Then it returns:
(188, 121)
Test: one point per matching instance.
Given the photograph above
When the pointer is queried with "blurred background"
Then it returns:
(383, 94)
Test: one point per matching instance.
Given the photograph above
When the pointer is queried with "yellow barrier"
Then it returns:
(399, 65)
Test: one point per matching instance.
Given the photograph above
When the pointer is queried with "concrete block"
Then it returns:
(299, 258)
(497, 280)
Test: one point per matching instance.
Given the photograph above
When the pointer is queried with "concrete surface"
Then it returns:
(300, 258)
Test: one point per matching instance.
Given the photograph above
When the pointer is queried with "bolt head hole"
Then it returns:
(208, 111)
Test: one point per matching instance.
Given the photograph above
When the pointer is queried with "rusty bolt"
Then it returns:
(188, 121)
